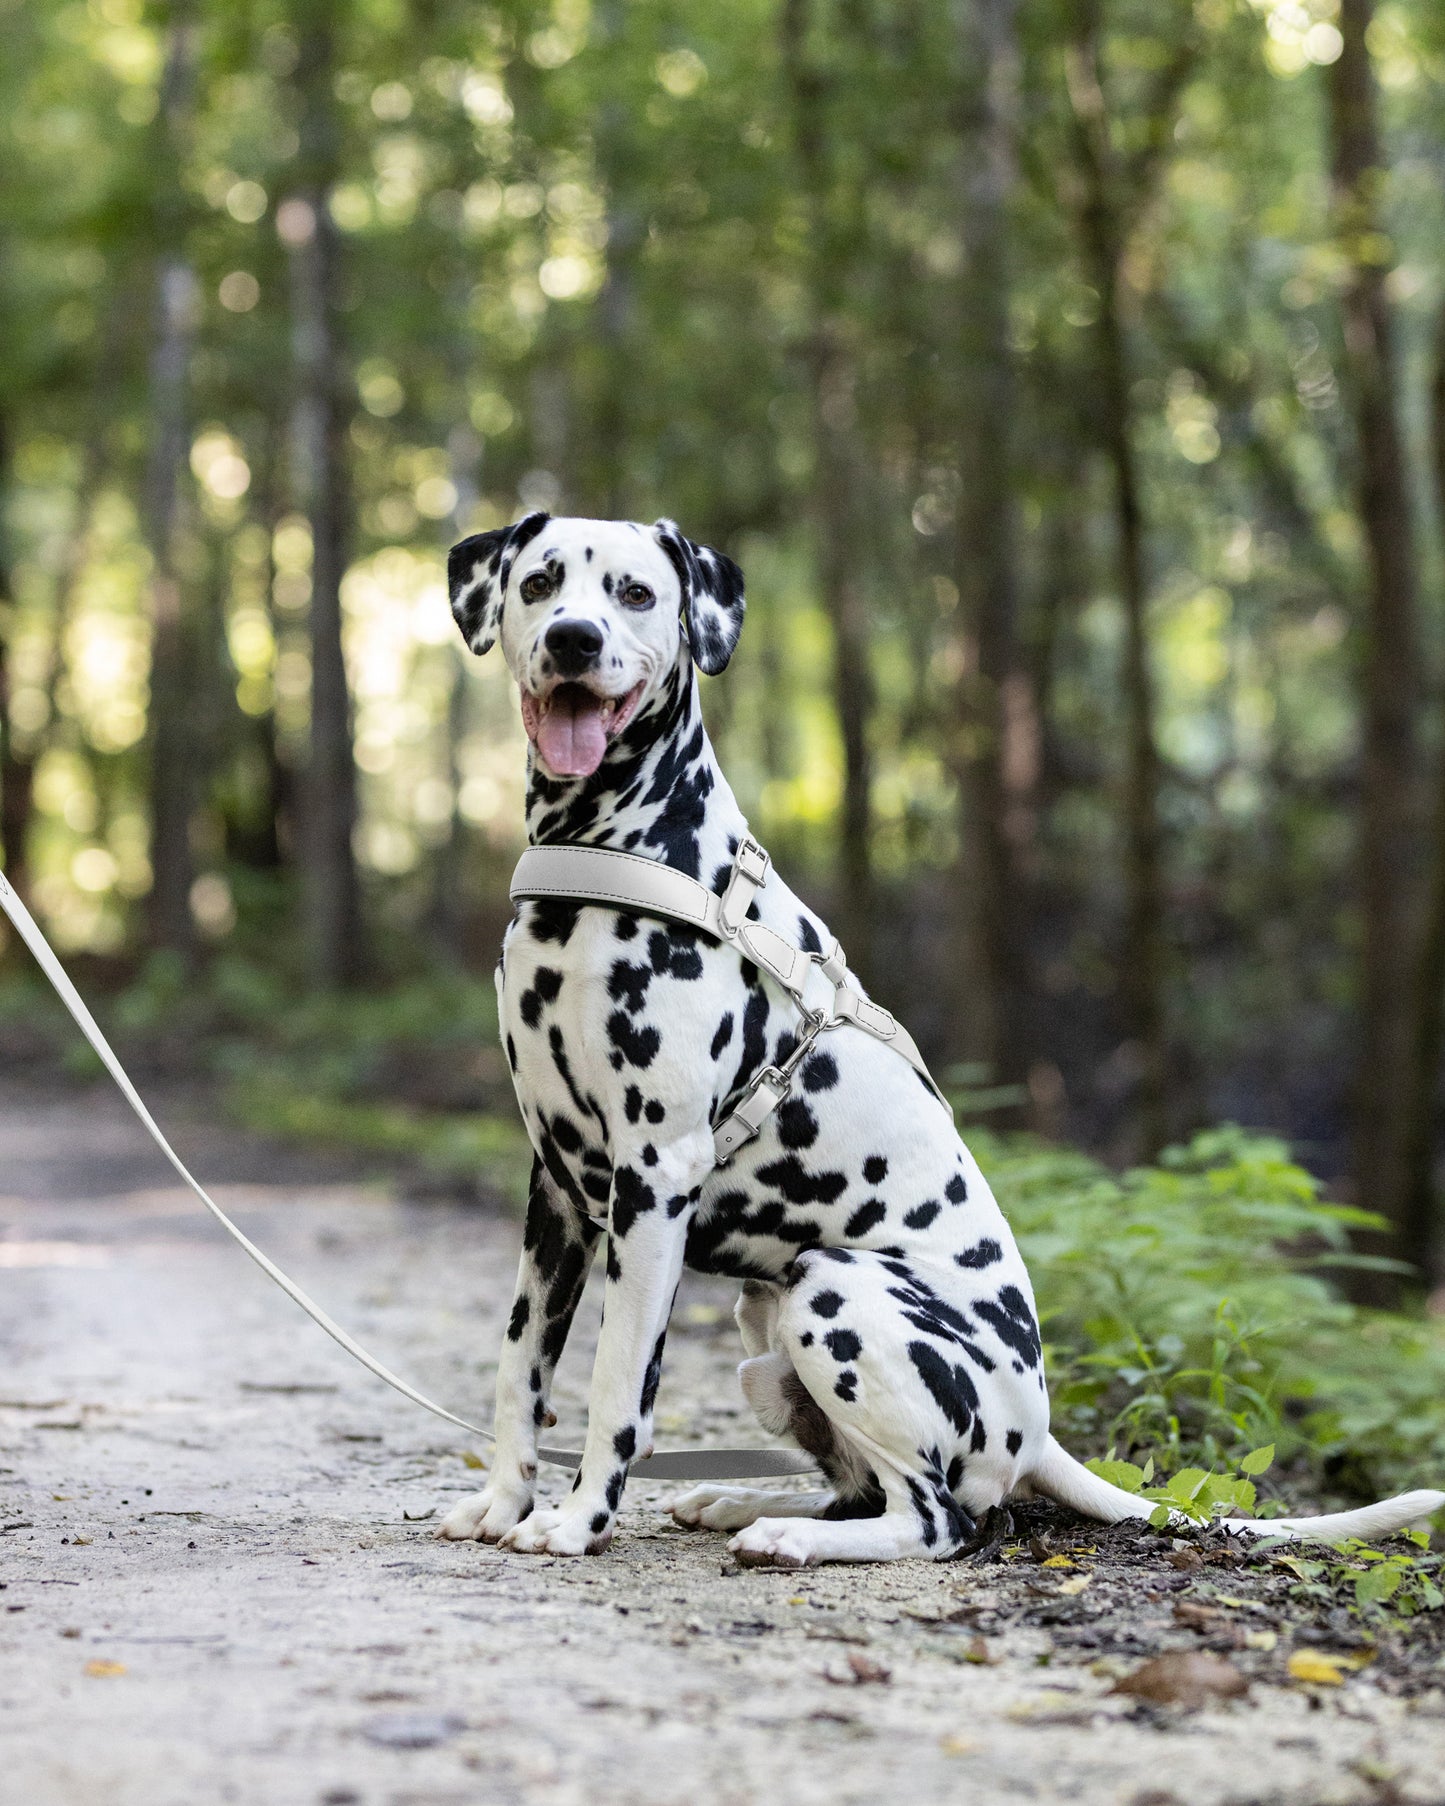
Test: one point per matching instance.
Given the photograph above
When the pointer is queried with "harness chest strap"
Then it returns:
(626, 881)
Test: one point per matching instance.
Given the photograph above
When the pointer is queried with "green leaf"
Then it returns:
(1258, 1460)
(1187, 1484)
(1159, 1517)
(1377, 1585)
(1122, 1474)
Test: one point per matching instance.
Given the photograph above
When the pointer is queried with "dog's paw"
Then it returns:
(716, 1508)
(485, 1516)
(553, 1531)
(776, 1543)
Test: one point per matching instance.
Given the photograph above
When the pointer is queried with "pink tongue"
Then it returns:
(570, 736)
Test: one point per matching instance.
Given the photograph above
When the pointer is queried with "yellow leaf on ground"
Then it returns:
(958, 1746)
(1314, 1666)
(470, 1458)
(1261, 1639)
(104, 1671)
(1058, 1561)
(1077, 1584)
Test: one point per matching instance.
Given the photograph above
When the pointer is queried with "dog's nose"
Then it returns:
(574, 645)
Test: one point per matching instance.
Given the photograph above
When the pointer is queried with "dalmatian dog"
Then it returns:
(886, 1315)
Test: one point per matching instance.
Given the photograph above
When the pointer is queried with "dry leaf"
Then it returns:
(959, 1746)
(1053, 1706)
(1185, 1677)
(83, 1542)
(1261, 1639)
(470, 1458)
(1321, 1668)
(1188, 1561)
(104, 1671)
(866, 1670)
(1076, 1585)
(1058, 1561)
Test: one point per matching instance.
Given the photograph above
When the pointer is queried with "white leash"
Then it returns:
(680, 1464)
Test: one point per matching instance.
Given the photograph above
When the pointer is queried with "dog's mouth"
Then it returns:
(571, 726)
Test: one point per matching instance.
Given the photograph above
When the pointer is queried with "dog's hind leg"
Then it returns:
(756, 1315)
(845, 1345)
(735, 1507)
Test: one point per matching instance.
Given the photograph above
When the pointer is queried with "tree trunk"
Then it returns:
(1142, 987)
(996, 767)
(616, 318)
(836, 489)
(1419, 1220)
(320, 418)
(173, 743)
(1390, 681)
(16, 773)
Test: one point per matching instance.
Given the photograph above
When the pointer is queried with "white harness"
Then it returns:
(625, 881)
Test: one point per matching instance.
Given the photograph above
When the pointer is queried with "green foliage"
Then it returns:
(1371, 1584)
(1192, 1491)
(1188, 1310)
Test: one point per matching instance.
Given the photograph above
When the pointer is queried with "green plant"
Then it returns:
(1369, 1583)
(1193, 1492)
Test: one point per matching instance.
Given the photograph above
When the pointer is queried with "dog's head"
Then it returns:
(594, 618)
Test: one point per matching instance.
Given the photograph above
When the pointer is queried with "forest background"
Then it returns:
(1067, 375)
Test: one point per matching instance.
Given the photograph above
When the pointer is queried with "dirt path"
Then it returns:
(219, 1581)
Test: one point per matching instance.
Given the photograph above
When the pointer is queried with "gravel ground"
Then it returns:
(218, 1579)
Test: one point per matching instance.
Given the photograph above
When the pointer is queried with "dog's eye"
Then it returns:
(535, 586)
(637, 595)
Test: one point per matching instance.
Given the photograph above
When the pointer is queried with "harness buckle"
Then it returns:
(752, 860)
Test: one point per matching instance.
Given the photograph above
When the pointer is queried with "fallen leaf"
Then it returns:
(798, 1599)
(1076, 1585)
(1188, 1561)
(83, 1541)
(1324, 1668)
(417, 1517)
(959, 1746)
(866, 1670)
(104, 1671)
(470, 1458)
(1058, 1561)
(1261, 1639)
(1185, 1677)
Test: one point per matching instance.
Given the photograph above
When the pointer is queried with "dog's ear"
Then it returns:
(712, 597)
(477, 572)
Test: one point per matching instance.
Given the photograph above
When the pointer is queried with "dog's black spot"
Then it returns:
(820, 1072)
(654, 1111)
(922, 1214)
(950, 1386)
(797, 1125)
(798, 1185)
(1013, 1323)
(955, 1472)
(982, 1254)
(600, 1523)
(956, 1191)
(808, 936)
(511, 1053)
(866, 1217)
(631, 1197)
(616, 1480)
(844, 1344)
(806, 1339)
(521, 1311)
(875, 1169)
(634, 1046)
(1014, 1441)
(546, 984)
(627, 984)
(632, 1103)
(553, 919)
(624, 1443)
(626, 929)
(826, 1304)
(649, 1154)
(652, 1378)
(722, 1036)
(846, 1385)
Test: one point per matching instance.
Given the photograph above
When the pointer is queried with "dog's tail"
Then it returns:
(1058, 1476)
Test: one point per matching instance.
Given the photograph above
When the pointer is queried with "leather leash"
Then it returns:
(670, 1464)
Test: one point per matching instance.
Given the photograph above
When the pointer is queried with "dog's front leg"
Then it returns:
(558, 1242)
(651, 1207)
